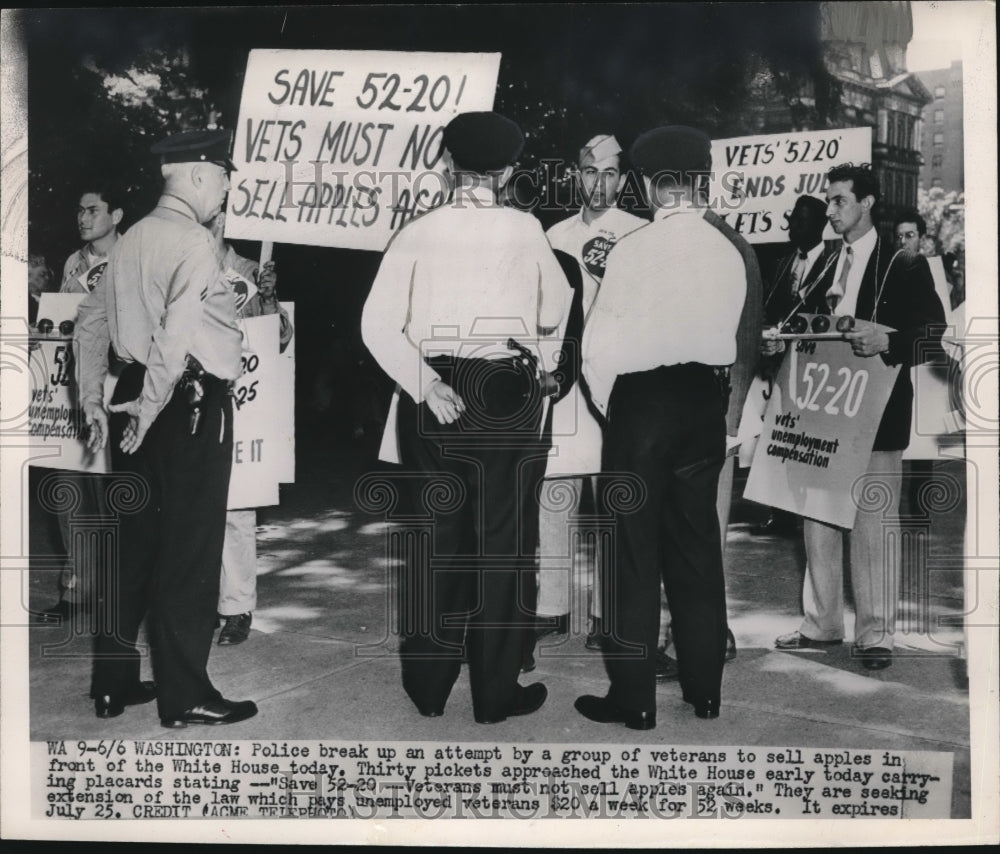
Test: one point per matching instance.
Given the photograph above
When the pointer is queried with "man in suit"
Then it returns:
(866, 278)
(794, 273)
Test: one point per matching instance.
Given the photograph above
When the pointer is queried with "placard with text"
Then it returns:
(342, 147)
(756, 179)
(819, 429)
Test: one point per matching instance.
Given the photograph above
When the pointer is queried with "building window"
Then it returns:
(939, 117)
(938, 140)
(939, 91)
(936, 161)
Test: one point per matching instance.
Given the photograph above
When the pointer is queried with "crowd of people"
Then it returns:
(607, 359)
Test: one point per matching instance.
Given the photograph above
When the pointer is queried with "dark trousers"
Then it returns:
(170, 550)
(470, 584)
(667, 428)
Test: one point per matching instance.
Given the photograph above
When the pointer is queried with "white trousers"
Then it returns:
(562, 582)
(874, 563)
(238, 584)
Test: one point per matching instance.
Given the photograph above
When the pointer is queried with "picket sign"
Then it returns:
(818, 430)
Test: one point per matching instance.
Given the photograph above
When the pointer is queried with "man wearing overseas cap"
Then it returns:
(454, 287)
(588, 236)
(98, 215)
(164, 308)
(661, 332)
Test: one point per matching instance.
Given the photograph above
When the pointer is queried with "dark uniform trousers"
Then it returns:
(171, 549)
(472, 583)
(667, 428)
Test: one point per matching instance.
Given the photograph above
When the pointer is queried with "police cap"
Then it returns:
(673, 148)
(196, 146)
(483, 142)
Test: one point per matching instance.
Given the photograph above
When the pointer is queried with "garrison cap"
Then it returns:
(601, 147)
(196, 146)
(483, 142)
(672, 148)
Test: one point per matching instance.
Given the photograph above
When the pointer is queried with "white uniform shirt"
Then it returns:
(461, 280)
(591, 243)
(672, 293)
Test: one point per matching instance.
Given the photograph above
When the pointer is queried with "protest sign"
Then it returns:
(756, 179)
(55, 418)
(819, 429)
(256, 433)
(341, 148)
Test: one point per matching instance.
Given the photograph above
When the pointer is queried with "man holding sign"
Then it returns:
(881, 288)
(165, 309)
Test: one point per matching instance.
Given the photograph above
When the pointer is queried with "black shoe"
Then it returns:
(777, 525)
(430, 712)
(112, 705)
(529, 699)
(213, 713)
(873, 657)
(545, 626)
(707, 709)
(236, 630)
(667, 668)
(54, 616)
(603, 711)
(594, 636)
(730, 645)
(797, 640)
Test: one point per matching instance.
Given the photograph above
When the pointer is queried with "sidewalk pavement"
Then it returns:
(321, 661)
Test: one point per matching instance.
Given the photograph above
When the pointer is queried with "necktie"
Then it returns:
(798, 271)
(836, 293)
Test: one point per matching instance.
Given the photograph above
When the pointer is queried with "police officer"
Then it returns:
(167, 313)
(454, 286)
(660, 334)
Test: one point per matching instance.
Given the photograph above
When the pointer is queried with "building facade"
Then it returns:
(944, 140)
(865, 51)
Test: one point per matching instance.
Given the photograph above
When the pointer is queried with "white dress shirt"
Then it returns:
(461, 280)
(861, 249)
(672, 293)
(591, 243)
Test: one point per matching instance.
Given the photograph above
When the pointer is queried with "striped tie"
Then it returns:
(836, 293)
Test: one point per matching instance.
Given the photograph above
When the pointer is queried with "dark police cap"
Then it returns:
(483, 142)
(196, 146)
(671, 148)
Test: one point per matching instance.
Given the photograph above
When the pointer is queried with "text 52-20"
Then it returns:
(847, 390)
(436, 93)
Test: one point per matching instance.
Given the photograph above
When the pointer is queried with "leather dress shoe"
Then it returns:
(730, 645)
(667, 668)
(236, 629)
(593, 642)
(873, 657)
(430, 712)
(545, 626)
(213, 713)
(529, 699)
(706, 709)
(797, 640)
(56, 615)
(603, 711)
(112, 705)
(777, 525)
